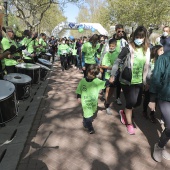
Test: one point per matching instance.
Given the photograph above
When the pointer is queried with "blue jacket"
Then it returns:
(160, 82)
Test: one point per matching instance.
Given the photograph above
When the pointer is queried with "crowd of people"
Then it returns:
(138, 66)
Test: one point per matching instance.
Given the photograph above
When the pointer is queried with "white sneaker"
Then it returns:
(161, 121)
(109, 111)
(118, 101)
(165, 154)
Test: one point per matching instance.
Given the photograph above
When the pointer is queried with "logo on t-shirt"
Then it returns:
(84, 88)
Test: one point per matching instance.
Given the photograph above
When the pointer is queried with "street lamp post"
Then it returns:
(6, 11)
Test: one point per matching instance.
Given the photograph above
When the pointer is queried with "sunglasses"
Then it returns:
(120, 31)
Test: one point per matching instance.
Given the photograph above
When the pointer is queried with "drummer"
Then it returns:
(28, 52)
(3, 55)
(6, 43)
(42, 43)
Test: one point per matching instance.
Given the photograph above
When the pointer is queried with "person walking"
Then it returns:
(139, 52)
(160, 91)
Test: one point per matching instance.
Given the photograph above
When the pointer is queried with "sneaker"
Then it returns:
(157, 153)
(165, 154)
(161, 121)
(109, 111)
(118, 101)
(91, 131)
(152, 119)
(130, 129)
(122, 117)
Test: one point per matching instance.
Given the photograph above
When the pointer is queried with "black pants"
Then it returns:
(133, 95)
(64, 61)
(87, 123)
(146, 100)
(74, 57)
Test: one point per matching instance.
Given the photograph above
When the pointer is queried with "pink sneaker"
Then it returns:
(130, 129)
(122, 117)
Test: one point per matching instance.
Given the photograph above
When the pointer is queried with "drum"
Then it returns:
(31, 70)
(45, 62)
(8, 104)
(46, 56)
(22, 84)
(43, 71)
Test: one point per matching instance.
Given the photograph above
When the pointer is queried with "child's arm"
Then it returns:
(79, 98)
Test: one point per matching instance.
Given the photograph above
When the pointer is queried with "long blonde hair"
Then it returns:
(153, 38)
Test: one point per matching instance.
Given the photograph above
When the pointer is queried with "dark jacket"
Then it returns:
(165, 41)
(160, 82)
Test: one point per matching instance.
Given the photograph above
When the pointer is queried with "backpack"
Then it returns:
(126, 68)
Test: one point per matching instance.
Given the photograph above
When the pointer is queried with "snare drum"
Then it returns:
(22, 84)
(46, 56)
(45, 62)
(8, 104)
(31, 70)
(43, 71)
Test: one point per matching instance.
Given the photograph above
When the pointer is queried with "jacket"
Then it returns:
(160, 82)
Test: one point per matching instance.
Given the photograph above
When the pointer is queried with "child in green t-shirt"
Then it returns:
(87, 93)
(107, 63)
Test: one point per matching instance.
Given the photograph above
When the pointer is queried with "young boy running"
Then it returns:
(87, 93)
(107, 63)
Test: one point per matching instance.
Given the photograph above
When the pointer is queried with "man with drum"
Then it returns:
(3, 55)
(42, 43)
(30, 43)
(27, 40)
(6, 44)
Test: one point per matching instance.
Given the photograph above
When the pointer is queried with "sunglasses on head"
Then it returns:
(120, 31)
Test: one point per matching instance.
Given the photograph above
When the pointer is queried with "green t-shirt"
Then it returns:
(43, 45)
(6, 44)
(30, 47)
(74, 51)
(138, 66)
(118, 49)
(89, 52)
(63, 48)
(89, 92)
(108, 60)
(2, 61)
(27, 42)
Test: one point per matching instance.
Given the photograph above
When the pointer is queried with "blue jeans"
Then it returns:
(78, 61)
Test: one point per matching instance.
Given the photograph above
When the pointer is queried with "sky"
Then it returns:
(71, 12)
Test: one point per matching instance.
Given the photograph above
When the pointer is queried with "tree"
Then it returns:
(33, 11)
(52, 17)
(141, 12)
(95, 11)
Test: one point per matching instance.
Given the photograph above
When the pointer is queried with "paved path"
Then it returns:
(57, 140)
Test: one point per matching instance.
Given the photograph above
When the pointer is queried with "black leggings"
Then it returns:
(165, 110)
(133, 95)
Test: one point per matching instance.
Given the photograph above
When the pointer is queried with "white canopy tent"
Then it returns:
(75, 26)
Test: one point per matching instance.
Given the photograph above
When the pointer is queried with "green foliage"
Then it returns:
(17, 25)
(95, 11)
(141, 12)
(52, 17)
